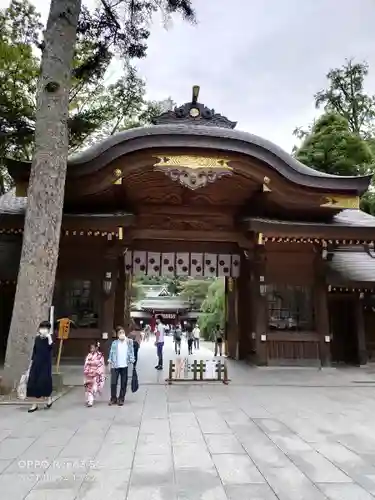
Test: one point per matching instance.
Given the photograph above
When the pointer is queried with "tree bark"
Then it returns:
(40, 250)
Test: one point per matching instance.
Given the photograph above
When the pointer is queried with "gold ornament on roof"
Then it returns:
(340, 201)
(266, 182)
(117, 173)
(192, 171)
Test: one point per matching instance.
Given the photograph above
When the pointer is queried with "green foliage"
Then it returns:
(346, 97)
(174, 285)
(331, 147)
(96, 109)
(213, 309)
(342, 141)
(137, 292)
(195, 291)
(19, 69)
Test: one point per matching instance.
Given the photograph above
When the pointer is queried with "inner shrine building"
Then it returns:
(193, 196)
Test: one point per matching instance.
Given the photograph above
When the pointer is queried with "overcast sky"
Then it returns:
(259, 62)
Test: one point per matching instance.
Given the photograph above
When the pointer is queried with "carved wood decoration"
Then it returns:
(340, 201)
(182, 264)
(193, 172)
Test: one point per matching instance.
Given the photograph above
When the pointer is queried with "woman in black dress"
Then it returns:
(39, 384)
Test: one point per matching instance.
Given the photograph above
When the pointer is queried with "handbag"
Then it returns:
(135, 383)
(22, 386)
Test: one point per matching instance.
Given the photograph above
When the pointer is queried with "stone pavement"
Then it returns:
(279, 434)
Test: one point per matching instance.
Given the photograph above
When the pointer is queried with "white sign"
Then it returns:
(327, 338)
(210, 369)
(105, 336)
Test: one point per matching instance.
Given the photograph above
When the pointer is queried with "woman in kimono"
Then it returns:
(94, 373)
(39, 384)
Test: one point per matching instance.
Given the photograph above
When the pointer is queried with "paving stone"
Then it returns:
(99, 484)
(237, 469)
(345, 492)
(114, 457)
(188, 435)
(153, 448)
(318, 468)
(216, 493)
(212, 423)
(290, 443)
(155, 426)
(16, 487)
(250, 491)
(191, 456)
(14, 447)
(63, 479)
(153, 444)
(55, 437)
(57, 495)
(223, 443)
(266, 454)
(163, 492)
(4, 464)
(197, 484)
(289, 483)
(35, 460)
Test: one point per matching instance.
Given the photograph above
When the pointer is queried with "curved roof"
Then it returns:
(215, 138)
(194, 125)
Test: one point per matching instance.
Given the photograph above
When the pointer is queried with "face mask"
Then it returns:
(43, 332)
(121, 336)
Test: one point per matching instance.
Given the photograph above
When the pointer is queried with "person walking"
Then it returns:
(147, 332)
(218, 338)
(177, 334)
(189, 338)
(136, 336)
(94, 373)
(120, 356)
(160, 333)
(197, 336)
(39, 384)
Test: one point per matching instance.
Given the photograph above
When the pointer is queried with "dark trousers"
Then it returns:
(196, 343)
(190, 346)
(117, 373)
(136, 349)
(177, 346)
(219, 347)
(159, 350)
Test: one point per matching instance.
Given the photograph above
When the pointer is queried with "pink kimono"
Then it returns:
(94, 371)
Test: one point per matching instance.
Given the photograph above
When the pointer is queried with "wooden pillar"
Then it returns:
(128, 300)
(321, 311)
(108, 299)
(246, 348)
(259, 305)
(231, 329)
(361, 335)
(120, 293)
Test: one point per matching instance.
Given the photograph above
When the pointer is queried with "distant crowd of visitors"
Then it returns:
(36, 383)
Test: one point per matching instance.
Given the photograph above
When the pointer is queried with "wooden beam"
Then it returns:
(155, 234)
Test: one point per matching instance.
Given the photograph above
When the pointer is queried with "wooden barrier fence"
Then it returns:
(180, 369)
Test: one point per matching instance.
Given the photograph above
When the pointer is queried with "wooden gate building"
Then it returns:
(191, 195)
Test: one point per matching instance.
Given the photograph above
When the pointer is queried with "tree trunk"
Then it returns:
(40, 249)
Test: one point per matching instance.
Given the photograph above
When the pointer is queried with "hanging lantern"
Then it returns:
(107, 284)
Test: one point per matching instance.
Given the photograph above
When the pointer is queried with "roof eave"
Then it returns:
(179, 136)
